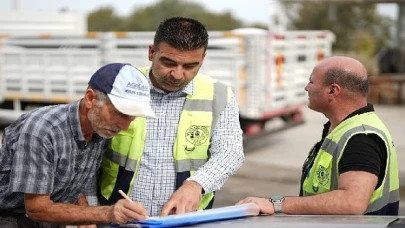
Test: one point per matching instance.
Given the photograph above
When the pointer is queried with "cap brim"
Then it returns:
(132, 107)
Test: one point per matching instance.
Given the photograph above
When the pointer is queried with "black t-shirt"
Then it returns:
(363, 152)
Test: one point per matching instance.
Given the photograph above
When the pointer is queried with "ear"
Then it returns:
(335, 89)
(151, 53)
(90, 98)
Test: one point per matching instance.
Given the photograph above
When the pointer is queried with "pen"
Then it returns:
(124, 195)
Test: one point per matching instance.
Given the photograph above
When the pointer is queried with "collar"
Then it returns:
(74, 121)
(365, 109)
(75, 127)
(187, 90)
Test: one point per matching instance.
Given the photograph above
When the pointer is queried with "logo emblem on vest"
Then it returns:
(197, 135)
(322, 175)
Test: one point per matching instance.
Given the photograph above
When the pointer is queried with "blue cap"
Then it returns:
(127, 88)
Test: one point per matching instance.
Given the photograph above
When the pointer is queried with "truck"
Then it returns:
(267, 70)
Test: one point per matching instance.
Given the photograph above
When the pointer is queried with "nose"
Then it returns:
(177, 72)
(306, 87)
(125, 122)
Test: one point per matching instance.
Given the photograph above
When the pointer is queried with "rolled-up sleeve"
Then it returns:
(226, 150)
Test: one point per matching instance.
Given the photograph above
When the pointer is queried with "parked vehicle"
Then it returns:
(267, 70)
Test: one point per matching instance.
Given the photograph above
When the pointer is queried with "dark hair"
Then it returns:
(184, 34)
(347, 80)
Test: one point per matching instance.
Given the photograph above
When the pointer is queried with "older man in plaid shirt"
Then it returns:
(49, 154)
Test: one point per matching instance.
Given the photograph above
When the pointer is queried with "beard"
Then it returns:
(98, 125)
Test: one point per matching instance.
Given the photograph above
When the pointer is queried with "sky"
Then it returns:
(246, 10)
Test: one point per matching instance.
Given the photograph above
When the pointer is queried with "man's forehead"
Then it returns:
(316, 73)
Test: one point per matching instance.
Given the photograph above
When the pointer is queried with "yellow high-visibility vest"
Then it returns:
(119, 167)
(324, 175)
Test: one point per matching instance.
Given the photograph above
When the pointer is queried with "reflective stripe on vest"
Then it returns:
(198, 117)
(324, 174)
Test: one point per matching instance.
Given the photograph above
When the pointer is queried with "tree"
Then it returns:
(351, 23)
(104, 19)
(148, 18)
(364, 42)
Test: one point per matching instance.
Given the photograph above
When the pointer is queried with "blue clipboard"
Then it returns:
(192, 218)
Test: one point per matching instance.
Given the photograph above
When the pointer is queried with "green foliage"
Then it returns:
(147, 18)
(364, 42)
(104, 19)
(358, 27)
(352, 24)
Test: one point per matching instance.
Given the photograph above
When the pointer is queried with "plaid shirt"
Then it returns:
(44, 152)
(156, 178)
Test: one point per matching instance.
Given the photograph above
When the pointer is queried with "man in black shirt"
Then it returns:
(353, 169)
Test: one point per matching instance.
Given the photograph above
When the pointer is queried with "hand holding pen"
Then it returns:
(126, 210)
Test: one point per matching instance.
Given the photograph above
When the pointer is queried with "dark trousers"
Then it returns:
(16, 220)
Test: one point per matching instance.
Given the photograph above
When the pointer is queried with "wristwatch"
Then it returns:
(276, 200)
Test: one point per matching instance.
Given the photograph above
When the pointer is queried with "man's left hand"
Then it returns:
(264, 204)
(185, 199)
(87, 226)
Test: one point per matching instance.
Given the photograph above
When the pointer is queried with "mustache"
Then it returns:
(115, 129)
(173, 80)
